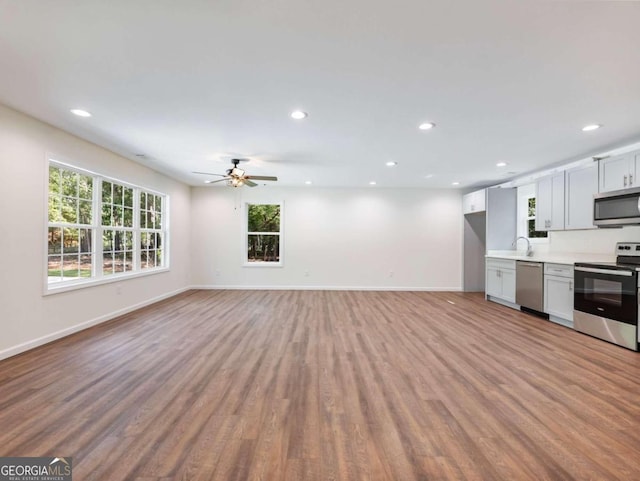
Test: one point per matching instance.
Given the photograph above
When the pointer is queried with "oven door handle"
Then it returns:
(610, 272)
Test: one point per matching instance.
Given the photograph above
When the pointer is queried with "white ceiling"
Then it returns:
(193, 83)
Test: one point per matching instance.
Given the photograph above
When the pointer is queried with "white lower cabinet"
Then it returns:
(501, 279)
(558, 293)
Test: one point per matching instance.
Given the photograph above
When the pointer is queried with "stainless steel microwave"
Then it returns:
(617, 208)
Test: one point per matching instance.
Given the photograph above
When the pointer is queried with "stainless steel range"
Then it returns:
(605, 298)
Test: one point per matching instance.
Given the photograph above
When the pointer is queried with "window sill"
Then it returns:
(263, 264)
(539, 240)
(57, 288)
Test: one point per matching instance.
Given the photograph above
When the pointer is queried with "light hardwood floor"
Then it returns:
(303, 385)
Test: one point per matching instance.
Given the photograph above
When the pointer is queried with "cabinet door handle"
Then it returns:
(625, 180)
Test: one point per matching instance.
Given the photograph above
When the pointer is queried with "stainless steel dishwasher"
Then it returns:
(530, 285)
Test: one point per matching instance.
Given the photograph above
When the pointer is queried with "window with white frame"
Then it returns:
(151, 234)
(70, 233)
(263, 237)
(98, 227)
(527, 215)
(117, 228)
(532, 233)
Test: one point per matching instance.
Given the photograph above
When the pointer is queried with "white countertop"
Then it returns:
(552, 257)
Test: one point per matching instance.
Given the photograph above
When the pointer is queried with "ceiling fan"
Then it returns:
(236, 177)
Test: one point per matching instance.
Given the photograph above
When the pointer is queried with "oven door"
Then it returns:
(606, 292)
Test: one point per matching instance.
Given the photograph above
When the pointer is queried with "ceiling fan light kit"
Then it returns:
(236, 177)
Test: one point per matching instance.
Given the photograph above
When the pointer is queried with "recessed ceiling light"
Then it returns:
(308, 182)
(428, 176)
(426, 126)
(455, 183)
(373, 182)
(501, 164)
(391, 164)
(80, 113)
(589, 128)
(298, 114)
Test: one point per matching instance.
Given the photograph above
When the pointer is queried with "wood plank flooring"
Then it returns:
(306, 385)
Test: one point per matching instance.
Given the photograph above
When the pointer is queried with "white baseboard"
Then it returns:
(25, 346)
(327, 288)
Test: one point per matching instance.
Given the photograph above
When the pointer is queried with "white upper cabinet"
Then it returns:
(550, 202)
(580, 185)
(618, 172)
(474, 202)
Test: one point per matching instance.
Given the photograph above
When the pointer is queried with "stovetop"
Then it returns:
(621, 266)
(628, 258)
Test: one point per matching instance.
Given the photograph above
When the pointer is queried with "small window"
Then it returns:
(532, 233)
(264, 234)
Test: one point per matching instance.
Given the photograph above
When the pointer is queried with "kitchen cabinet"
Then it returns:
(619, 172)
(558, 293)
(474, 202)
(550, 202)
(581, 183)
(489, 220)
(501, 280)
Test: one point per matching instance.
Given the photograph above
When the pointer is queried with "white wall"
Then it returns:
(344, 238)
(594, 241)
(27, 318)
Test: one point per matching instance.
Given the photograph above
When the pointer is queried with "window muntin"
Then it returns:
(263, 234)
(117, 205)
(94, 230)
(117, 251)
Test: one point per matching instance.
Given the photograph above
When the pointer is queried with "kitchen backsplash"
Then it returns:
(596, 241)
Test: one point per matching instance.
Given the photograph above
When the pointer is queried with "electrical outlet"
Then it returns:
(390, 273)
(118, 289)
(306, 273)
(217, 273)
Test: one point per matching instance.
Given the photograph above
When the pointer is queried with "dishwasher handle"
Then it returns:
(529, 264)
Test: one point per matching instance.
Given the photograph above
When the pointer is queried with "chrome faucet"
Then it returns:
(529, 249)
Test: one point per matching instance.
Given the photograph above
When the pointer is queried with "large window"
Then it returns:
(100, 228)
(70, 234)
(263, 234)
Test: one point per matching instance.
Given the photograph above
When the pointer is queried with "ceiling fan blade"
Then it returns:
(249, 183)
(209, 173)
(209, 182)
(261, 177)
